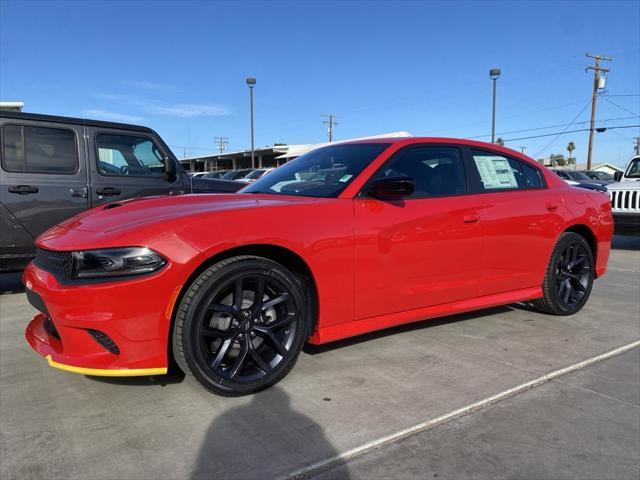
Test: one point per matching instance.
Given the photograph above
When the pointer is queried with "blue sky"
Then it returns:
(179, 67)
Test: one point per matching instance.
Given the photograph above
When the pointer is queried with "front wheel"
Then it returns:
(569, 276)
(241, 325)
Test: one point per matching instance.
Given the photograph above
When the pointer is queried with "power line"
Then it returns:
(556, 126)
(603, 129)
(566, 128)
(620, 107)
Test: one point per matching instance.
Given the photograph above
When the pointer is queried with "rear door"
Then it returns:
(43, 176)
(521, 219)
(126, 164)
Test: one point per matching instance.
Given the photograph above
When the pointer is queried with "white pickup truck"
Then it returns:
(625, 199)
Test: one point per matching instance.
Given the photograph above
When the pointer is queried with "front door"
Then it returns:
(423, 250)
(126, 164)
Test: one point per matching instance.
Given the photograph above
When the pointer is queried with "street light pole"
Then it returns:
(251, 82)
(494, 73)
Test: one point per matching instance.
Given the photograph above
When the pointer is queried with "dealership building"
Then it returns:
(264, 157)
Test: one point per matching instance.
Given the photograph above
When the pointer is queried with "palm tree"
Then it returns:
(570, 148)
(500, 141)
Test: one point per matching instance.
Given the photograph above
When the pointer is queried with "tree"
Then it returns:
(570, 148)
(557, 160)
(500, 141)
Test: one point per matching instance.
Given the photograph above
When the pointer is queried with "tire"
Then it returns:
(569, 277)
(241, 325)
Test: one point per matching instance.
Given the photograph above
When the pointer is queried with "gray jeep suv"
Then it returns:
(52, 168)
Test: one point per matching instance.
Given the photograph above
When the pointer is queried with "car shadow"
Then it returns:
(11, 282)
(624, 242)
(174, 375)
(409, 327)
(265, 438)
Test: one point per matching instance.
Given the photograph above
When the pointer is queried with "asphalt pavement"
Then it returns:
(350, 394)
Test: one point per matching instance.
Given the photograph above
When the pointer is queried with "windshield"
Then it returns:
(634, 168)
(324, 172)
(580, 176)
(256, 174)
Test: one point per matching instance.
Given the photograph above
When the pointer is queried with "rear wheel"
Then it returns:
(241, 325)
(569, 277)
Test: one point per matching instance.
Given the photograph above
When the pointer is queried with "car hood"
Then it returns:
(147, 211)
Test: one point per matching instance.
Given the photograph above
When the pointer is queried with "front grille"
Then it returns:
(58, 263)
(625, 200)
(104, 340)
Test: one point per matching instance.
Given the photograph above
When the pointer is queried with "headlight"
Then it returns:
(115, 262)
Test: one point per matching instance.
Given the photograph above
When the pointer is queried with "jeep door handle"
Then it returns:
(470, 218)
(82, 192)
(23, 189)
(108, 191)
(551, 206)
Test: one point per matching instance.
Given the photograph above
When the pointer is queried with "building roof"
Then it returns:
(297, 150)
(596, 166)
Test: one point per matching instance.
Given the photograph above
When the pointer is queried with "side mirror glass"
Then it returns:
(617, 176)
(392, 188)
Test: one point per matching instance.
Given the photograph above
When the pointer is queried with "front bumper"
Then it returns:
(626, 223)
(105, 329)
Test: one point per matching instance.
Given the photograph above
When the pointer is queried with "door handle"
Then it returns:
(471, 218)
(108, 191)
(23, 189)
(82, 192)
(551, 206)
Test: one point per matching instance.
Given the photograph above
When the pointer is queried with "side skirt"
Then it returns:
(351, 329)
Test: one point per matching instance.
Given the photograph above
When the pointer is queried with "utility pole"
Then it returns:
(523, 149)
(330, 123)
(596, 83)
(222, 143)
(637, 139)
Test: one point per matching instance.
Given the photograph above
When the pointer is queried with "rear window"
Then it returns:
(30, 149)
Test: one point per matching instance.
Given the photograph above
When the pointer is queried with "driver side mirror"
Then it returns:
(617, 176)
(391, 188)
(170, 168)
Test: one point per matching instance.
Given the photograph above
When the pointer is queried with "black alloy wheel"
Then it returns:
(573, 274)
(569, 277)
(241, 325)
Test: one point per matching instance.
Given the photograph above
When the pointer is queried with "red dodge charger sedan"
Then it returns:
(346, 239)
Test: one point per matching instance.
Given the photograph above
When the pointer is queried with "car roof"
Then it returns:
(71, 120)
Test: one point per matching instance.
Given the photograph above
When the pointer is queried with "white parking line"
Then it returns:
(328, 463)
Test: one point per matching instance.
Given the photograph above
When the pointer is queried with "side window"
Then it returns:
(531, 176)
(436, 171)
(499, 173)
(128, 155)
(39, 150)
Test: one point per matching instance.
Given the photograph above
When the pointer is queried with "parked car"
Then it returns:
(577, 176)
(216, 174)
(604, 177)
(393, 231)
(255, 175)
(588, 184)
(55, 167)
(237, 174)
(625, 199)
